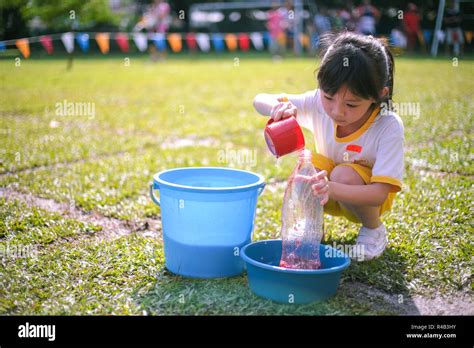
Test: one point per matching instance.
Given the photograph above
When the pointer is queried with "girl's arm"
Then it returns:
(281, 106)
(277, 106)
(373, 194)
(264, 103)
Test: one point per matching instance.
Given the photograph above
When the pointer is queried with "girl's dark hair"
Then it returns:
(363, 63)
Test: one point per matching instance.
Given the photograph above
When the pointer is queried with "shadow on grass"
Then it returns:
(380, 284)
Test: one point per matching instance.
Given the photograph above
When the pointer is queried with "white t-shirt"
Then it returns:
(378, 144)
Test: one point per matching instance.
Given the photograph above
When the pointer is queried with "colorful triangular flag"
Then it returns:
(244, 42)
(159, 40)
(141, 41)
(122, 41)
(191, 41)
(68, 42)
(83, 41)
(231, 41)
(24, 46)
(304, 40)
(103, 40)
(47, 42)
(203, 42)
(218, 42)
(257, 40)
(175, 42)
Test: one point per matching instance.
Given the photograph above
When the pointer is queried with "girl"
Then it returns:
(359, 142)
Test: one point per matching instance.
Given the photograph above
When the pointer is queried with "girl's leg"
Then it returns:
(368, 215)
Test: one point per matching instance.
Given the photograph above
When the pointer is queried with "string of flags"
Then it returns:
(175, 41)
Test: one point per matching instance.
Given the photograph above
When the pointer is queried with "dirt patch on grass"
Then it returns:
(111, 227)
(177, 143)
(460, 303)
(59, 165)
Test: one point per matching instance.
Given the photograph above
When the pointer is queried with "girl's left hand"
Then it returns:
(321, 186)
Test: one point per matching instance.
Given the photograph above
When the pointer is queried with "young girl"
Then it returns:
(359, 144)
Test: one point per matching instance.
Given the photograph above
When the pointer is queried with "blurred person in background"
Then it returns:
(156, 19)
(322, 22)
(276, 25)
(428, 23)
(454, 33)
(367, 17)
(411, 26)
(289, 17)
(344, 18)
(348, 12)
(398, 39)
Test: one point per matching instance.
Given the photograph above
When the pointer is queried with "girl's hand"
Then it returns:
(321, 186)
(283, 109)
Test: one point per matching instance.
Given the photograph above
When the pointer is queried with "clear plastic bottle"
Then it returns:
(302, 218)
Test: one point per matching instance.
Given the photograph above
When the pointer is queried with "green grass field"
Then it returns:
(74, 188)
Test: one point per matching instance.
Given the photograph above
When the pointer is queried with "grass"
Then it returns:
(102, 165)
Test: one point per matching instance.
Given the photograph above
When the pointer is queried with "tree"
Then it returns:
(70, 14)
(57, 15)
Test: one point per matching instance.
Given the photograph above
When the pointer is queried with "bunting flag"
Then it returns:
(83, 41)
(314, 41)
(281, 39)
(47, 42)
(421, 38)
(191, 41)
(441, 36)
(203, 42)
(231, 41)
(469, 35)
(244, 42)
(427, 35)
(122, 41)
(257, 40)
(218, 42)
(103, 40)
(159, 40)
(304, 41)
(68, 42)
(141, 41)
(24, 46)
(266, 38)
(175, 42)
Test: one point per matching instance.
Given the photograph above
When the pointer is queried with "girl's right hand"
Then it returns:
(321, 186)
(283, 109)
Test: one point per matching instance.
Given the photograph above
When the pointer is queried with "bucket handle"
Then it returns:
(260, 189)
(152, 195)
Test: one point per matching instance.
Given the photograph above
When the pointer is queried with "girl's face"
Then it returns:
(345, 108)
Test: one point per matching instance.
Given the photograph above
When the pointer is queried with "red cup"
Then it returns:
(284, 136)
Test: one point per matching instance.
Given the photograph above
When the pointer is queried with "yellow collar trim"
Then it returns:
(358, 132)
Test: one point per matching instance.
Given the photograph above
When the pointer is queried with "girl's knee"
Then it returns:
(345, 175)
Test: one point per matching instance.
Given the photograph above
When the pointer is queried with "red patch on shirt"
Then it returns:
(354, 148)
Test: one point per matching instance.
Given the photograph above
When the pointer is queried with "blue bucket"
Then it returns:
(207, 216)
(298, 286)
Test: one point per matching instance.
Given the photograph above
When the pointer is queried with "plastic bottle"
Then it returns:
(302, 218)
